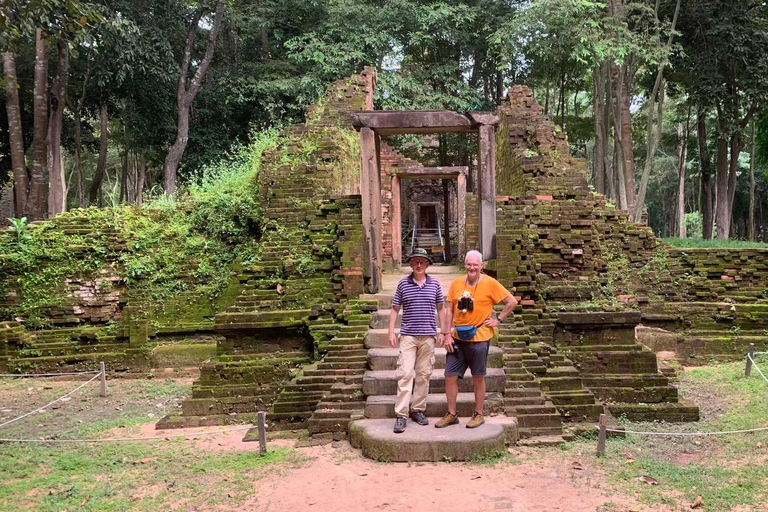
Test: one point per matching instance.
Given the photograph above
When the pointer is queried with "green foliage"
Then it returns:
(714, 243)
(160, 250)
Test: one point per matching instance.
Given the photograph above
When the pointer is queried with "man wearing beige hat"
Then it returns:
(421, 299)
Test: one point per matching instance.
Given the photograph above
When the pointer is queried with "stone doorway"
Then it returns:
(372, 125)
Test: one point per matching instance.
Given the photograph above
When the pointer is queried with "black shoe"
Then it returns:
(419, 418)
(399, 425)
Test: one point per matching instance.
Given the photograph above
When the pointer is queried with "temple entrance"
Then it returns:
(428, 217)
(373, 125)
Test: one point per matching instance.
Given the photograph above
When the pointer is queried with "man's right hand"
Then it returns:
(393, 339)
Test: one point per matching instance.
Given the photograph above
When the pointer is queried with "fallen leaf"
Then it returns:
(629, 461)
(233, 413)
(759, 444)
(476, 477)
(147, 460)
(19, 319)
(636, 508)
(648, 480)
(627, 455)
(279, 288)
(85, 500)
(576, 465)
(697, 502)
(7, 326)
(231, 495)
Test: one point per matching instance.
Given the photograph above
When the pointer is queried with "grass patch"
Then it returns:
(182, 354)
(113, 476)
(727, 471)
(714, 243)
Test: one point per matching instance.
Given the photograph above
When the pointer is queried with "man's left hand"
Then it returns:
(491, 322)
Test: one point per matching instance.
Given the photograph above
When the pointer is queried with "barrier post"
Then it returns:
(601, 436)
(262, 433)
(103, 370)
(750, 356)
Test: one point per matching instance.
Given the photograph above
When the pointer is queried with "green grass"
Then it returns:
(714, 243)
(173, 474)
(725, 470)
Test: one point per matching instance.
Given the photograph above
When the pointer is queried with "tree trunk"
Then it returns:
(737, 144)
(35, 207)
(682, 146)
(186, 97)
(705, 163)
(618, 145)
(124, 178)
(722, 200)
(599, 171)
(15, 134)
(78, 169)
(627, 144)
(140, 180)
(98, 176)
(57, 191)
(653, 141)
(751, 234)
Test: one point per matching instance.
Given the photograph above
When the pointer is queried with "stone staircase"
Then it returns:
(539, 422)
(374, 435)
(68, 349)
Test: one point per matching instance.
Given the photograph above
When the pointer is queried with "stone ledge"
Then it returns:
(426, 443)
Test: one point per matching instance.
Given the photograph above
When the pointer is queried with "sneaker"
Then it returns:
(448, 419)
(476, 420)
(418, 417)
(399, 425)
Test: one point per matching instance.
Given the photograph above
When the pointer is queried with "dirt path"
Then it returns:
(336, 477)
(355, 483)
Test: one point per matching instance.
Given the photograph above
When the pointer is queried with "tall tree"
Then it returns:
(185, 96)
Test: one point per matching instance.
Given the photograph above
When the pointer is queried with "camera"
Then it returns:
(466, 303)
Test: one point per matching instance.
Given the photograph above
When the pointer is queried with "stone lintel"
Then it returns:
(599, 318)
(398, 122)
(479, 117)
(437, 172)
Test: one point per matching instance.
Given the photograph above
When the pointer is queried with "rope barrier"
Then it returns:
(53, 402)
(45, 374)
(756, 367)
(121, 439)
(760, 429)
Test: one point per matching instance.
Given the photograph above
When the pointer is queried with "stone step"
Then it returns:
(380, 319)
(524, 400)
(533, 433)
(386, 358)
(427, 444)
(545, 408)
(384, 382)
(383, 406)
(581, 412)
(379, 338)
(545, 420)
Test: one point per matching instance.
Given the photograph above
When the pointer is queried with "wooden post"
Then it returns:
(103, 370)
(750, 356)
(396, 219)
(486, 148)
(370, 191)
(461, 212)
(601, 436)
(262, 433)
(446, 221)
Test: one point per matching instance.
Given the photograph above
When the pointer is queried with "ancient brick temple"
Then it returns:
(301, 331)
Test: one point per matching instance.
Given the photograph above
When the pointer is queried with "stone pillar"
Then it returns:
(461, 221)
(447, 221)
(396, 218)
(486, 190)
(370, 190)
